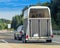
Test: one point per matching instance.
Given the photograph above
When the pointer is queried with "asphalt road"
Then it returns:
(7, 41)
(8, 37)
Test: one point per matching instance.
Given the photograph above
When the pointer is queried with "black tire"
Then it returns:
(15, 37)
(18, 37)
(48, 41)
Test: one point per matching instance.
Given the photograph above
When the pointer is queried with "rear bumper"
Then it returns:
(39, 39)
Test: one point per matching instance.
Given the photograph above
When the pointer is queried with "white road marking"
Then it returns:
(56, 42)
(4, 41)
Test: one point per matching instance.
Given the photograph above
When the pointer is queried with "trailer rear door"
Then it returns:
(39, 27)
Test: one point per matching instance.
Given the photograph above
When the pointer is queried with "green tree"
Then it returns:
(55, 11)
(46, 4)
(3, 23)
(17, 21)
(26, 7)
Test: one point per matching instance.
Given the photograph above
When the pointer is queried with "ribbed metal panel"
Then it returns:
(39, 26)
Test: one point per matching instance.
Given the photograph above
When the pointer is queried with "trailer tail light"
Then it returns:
(26, 36)
(20, 32)
(52, 36)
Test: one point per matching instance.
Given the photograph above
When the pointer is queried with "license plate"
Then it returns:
(35, 35)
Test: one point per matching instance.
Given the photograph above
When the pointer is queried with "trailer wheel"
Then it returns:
(23, 40)
(48, 41)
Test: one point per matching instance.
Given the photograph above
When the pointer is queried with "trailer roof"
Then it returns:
(39, 7)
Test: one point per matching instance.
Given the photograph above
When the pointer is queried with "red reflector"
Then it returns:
(52, 36)
(20, 32)
(26, 36)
